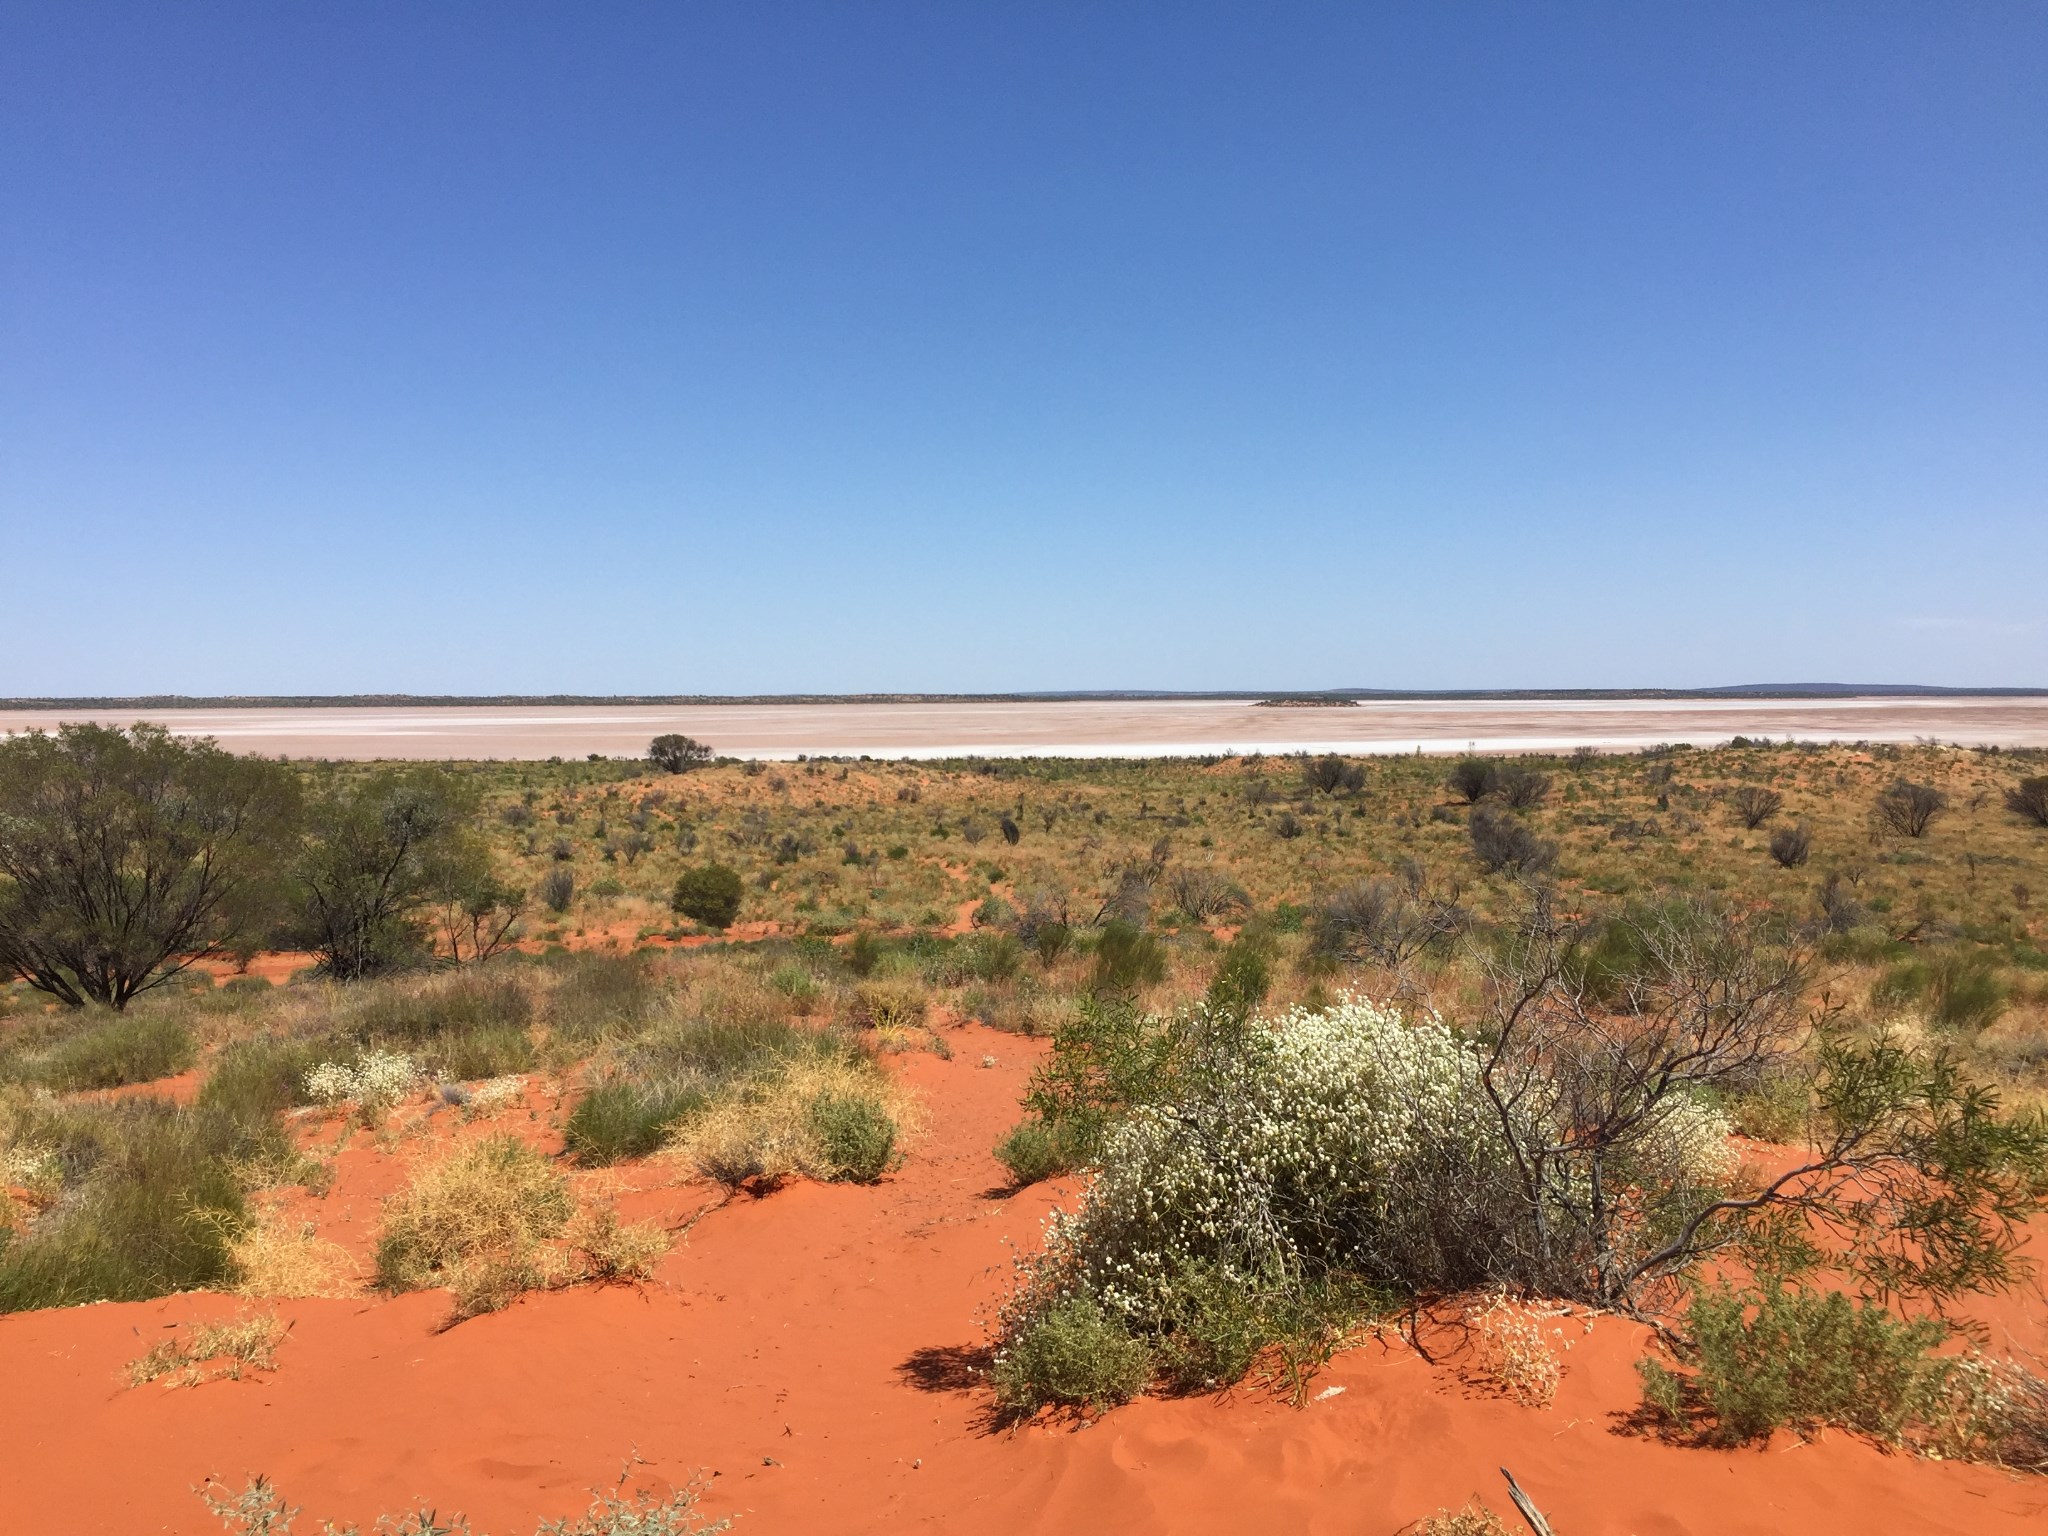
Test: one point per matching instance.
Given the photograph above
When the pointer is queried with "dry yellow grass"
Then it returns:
(773, 1132)
(211, 1352)
(475, 1221)
(1524, 1360)
(282, 1257)
(1472, 1520)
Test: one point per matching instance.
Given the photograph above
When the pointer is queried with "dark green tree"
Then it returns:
(382, 852)
(126, 855)
(678, 754)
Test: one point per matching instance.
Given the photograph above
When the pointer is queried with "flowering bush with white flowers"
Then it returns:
(1307, 1148)
(1322, 1156)
(374, 1082)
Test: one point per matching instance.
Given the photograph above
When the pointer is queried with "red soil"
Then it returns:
(807, 1351)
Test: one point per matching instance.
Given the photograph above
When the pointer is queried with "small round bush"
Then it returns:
(1074, 1353)
(856, 1134)
(709, 895)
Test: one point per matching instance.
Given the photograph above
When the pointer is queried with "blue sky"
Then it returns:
(708, 348)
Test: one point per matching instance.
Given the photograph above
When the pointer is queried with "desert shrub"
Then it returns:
(1127, 959)
(1908, 809)
(1521, 787)
(125, 855)
(2029, 799)
(609, 1251)
(215, 1351)
(1205, 893)
(112, 1050)
(1991, 1410)
(1075, 1352)
(677, 754)
(1472, 780)
(620, 1118)
(277, 1257)
(987, 957)
(856, 1135)
(1960, 990)
(1776, 1356)
(259, 1510)
(1037, 1149)
(373, 1083)
(863, 952)
(1050, 940)
(1472, 1520)
(1329, 774)
(1501, 843)
(992, 912)
(474, 1221)
(1791, 846)
(1386, 922)
(558, 888)
(1755, 804)
(709, 895)
(460, 1025)
(147, 1203)
(887, 1005)
(820, 1116)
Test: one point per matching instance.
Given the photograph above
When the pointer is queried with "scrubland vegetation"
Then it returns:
(1750, 1043)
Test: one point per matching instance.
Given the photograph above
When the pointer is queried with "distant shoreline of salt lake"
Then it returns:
(1075, 728)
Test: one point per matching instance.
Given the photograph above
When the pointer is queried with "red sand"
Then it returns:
(806, 1350)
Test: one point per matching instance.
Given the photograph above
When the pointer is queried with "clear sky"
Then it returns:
(956, 346)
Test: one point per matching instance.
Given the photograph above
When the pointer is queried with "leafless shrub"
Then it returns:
(1907, 808)
(2029, 798)
(1521, 787)
(1502, 843)
(1329, 774)
(1756, 804)
(1839, 911)
(1205, 893)
(1791, 846)
(1385, 922)
(1472, 780)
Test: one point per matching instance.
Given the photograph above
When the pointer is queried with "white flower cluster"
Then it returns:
(377, 1080)
(28, 1166)
(1691, 1139)
(1306, 1137)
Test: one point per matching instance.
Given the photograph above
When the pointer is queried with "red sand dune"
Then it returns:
(805, 1351)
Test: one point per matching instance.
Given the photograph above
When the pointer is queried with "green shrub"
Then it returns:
(1074, 1353)
(619, 1119)
(709, 895)
(1127, 959)
(863, 953)
(1775, 1356)
(1039, 1149)
(856, 1135)
(113, 1050)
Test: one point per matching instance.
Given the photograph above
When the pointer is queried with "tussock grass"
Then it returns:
(147, 1202)
(831, 1117)
(103, 1049)
(278, 1256)
(476, 1221)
